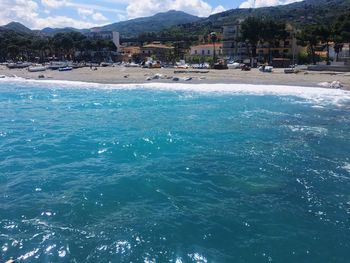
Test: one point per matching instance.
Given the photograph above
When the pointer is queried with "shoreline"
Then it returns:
(126, 76)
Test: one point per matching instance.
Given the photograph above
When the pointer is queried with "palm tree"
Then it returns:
(251, 34)
(272, 33)
(324, 34)
(213, 38)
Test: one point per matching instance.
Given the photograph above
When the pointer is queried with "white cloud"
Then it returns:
(85, 12)
(98, 17)
(18, 10)
(218, 9)
(62, 21)
(263, 3)
(139, 8)
(27, 12)
(53, 3)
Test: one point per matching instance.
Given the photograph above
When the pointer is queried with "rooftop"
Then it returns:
(208, 45)
(153, 45)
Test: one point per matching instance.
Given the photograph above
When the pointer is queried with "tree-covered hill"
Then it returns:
(17, 27)
(155, 23)
(300, 14)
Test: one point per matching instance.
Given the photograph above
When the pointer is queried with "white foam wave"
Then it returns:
(346, 167)
(308, 129)
(315, 95)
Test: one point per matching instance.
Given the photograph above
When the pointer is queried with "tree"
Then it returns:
(272, 32)
(39, 46)
(324, 34)
(343, 28)
(250, 33)
(308, 38)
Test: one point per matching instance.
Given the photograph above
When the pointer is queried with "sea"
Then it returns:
(173, 173)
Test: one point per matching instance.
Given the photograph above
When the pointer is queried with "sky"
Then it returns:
(38, 14)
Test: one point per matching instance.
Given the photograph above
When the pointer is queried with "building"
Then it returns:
(207, 50)
(343, 54)
(236, 49)
(157, 51)
(233, 47)
(105, 54)
(106, 35)
(286, 48)
(128, 53)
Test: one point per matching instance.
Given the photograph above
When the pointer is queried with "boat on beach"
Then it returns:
(18, 65)
(106, 64)
(56, 65)
(182, 65)
(38, 68)
(265, 68)
(234, 65)
(220, 65)
(132, 65)
(291, 70)
(65, 69)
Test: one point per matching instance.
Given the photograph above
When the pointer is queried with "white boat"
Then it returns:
(55, 65)
(131, 65)
(234, 65)
(19, 65)
(291, 70)
(201, 66)
(65, 69)
(36, 68)
(182, 64)
(266, 68)
(150, 63)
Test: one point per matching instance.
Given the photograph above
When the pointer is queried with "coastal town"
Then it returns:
(238, 53)
(287, 57)
(244, 43)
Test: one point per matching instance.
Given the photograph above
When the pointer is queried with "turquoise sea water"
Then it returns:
(173, 175)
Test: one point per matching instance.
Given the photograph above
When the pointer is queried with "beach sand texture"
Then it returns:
(123, 75)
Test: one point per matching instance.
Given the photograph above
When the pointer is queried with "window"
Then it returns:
(195, 52)
(208, 52)
(203, 52)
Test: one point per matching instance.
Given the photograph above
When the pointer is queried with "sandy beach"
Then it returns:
(123, 75)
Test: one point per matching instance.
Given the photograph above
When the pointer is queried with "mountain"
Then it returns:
(18, 27)
(52, 31)
(321, 12)
(182, 25)
(154, 23)
(127, 28)
(307, 11)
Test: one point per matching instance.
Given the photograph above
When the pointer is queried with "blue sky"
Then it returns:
(38, 14)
